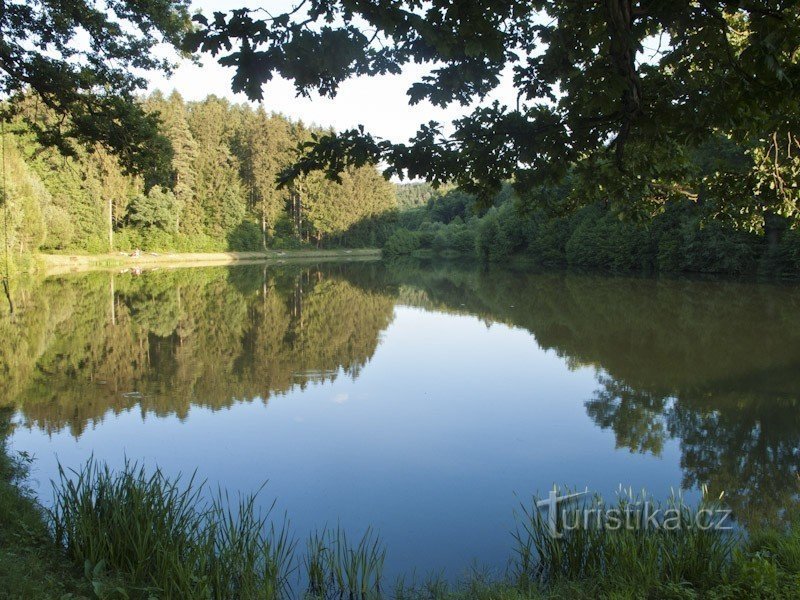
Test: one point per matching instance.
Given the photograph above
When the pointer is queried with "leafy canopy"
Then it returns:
(622, 86)
(84, 59)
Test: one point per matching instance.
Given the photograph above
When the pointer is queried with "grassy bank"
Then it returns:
(57, 263)
(140, 534)
(31, 566)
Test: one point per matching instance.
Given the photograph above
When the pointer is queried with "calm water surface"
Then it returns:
(426, 401)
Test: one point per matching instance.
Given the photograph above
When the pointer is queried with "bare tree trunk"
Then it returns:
(110, 223)
(263, 226)
(7, 291)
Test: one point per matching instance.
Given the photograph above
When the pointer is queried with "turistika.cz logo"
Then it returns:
(630, 513)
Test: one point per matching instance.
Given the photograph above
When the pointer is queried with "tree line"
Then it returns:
(220, 191)
(682, 236)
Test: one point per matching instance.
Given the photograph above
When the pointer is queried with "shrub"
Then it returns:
(402, 242)
(714, 248)
(591, 244)
(549, 246)
(154, 239)
(486, 240)
(60, 231)
(246, 237)
(463, 240)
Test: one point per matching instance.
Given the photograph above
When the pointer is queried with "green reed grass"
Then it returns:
(160, 537)
(633, 555)
(337, 568)
(164, 539)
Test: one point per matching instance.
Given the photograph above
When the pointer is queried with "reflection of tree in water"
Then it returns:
(166, 341)
(639, 420)
(714, 365)
(742, 443)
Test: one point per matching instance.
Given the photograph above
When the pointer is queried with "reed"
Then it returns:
(631, 555)
(337, 568)
(152, 536)
(162, 538)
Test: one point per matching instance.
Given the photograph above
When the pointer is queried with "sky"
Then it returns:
(379, 103)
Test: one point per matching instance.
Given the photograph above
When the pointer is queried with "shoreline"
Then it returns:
(55, 264)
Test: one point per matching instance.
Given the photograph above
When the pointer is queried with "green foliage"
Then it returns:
(713, 248)
(680, 238)
(84, 63)
(334, 567)
(247, 236)
(402, 242)
(60, 230)
(596, 97)
(158, 208)
(628, 557)
(22, 203)
(222, 183)
(156, 534)
(414, 195)
(603, 241)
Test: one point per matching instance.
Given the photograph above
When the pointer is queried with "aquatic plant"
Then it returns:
(143, 534)
(636, 542)
(163, 537)
(339, 569)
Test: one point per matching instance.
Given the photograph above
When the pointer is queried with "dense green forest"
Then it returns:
(221, 192)
(688, 161)
(682, 236)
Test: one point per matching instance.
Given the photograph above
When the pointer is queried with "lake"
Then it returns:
(426, 401)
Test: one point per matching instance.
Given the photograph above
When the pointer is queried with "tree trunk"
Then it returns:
(263, 226)
(7, 291)
(110, 223)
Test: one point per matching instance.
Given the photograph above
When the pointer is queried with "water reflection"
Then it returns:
(715, 365)
(165, 341)
(712, 365)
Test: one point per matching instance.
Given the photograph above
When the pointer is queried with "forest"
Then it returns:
(219, 191)
(566, 225)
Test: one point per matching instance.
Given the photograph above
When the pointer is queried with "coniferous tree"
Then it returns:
(175, 126)
(265, 148)
(218, 190)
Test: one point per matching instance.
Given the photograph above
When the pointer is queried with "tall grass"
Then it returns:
(161, 537)
(634, 554)
(336, 568)
(164, 539)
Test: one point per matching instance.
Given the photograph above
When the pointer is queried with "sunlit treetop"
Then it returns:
(84, 61)
(618, 83)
